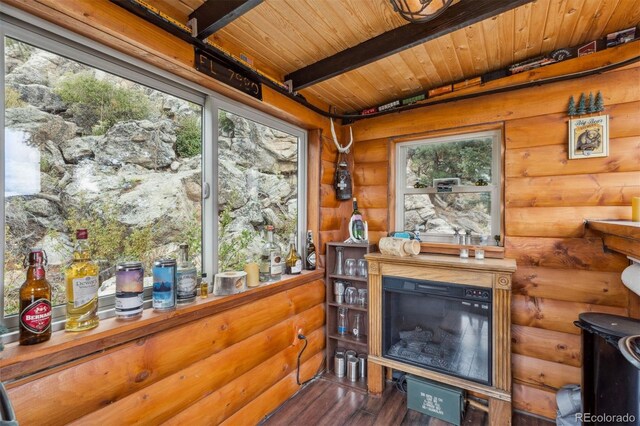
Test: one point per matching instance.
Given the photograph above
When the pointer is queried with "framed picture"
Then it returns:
(589, 137)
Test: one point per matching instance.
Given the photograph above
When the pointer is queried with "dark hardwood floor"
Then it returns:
(324, 402)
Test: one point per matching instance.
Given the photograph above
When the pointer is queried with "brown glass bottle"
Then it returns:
(35, 302)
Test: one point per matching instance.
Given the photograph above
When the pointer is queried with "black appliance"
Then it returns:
(438, 326)
(610, 380)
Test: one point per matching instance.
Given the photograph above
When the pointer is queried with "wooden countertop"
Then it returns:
(622, 236)
(499, 265)
(18, 360)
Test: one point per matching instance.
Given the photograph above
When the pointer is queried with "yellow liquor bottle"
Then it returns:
(81, 278)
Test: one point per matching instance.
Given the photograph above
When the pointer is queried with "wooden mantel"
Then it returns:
(488, 273)
(622, 236)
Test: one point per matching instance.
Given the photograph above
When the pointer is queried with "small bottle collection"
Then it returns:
(174, 283)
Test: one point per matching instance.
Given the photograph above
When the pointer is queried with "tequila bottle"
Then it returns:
(186, 277)
(270, 259)
(81, 278)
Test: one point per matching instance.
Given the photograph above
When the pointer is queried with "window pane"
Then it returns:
(258, 186)
(85, 148)
(443, 213)
(468, 160)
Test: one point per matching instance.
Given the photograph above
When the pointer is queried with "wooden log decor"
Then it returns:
(399, 246)
(211, 367)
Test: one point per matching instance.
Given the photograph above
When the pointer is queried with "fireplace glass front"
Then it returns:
(438, 326)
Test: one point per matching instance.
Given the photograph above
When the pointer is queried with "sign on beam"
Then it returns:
(234, 77)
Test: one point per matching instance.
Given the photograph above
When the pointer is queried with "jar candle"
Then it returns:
(635, 209)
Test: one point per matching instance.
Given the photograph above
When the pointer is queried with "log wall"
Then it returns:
(562, 268)
(237, 366)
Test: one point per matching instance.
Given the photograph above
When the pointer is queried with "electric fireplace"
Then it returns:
(445, 319)
(438, 326)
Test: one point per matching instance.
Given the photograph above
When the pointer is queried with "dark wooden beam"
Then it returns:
(459, 15)
(215, 14)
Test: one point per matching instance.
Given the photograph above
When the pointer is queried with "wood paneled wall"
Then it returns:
(235, 367)
(562, 268)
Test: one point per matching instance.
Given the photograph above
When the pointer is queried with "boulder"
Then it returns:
(77, 149)
(41, 125)
(41, 97)
(143, 142)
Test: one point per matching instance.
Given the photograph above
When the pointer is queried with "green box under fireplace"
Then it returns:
(435, 399)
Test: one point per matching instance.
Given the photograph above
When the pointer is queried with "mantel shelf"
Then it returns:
(622, 236)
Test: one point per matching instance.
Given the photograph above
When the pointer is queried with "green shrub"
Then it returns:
(99, 104)
(189, 136)
(12, 99)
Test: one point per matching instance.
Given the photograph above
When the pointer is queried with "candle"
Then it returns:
(253, 271)
(635, 209)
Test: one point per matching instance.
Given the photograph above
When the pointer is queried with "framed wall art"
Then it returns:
(589, 137)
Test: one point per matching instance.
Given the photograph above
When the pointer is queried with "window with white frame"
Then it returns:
(96, 139)
(449, 184)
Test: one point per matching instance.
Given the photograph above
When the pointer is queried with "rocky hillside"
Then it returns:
(129, 168)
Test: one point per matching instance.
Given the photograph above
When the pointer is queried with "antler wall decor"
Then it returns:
(341, 149)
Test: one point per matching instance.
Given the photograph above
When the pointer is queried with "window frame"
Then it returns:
(44, 35)
(494, 188)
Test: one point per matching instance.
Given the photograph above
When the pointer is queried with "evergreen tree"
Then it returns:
(591, 105)
(582, 107)
(572, 106)
(599, 106)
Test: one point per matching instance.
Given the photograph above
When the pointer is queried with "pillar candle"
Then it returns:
(252, 269)
(635, 209)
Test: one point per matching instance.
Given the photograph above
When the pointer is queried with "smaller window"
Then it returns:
(449, 183)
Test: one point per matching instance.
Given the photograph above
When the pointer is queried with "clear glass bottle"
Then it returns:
(294, 261)
(81, 278)
(186, 277)
(310, 257)
(343, 321)
(35, 302)
(356, 328)
(270, 259)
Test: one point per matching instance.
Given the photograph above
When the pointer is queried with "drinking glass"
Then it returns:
(339, 256)
(343, 321)
(351, 295)
(350, 267)
(362, 268)
(362, 296)
(338, 290)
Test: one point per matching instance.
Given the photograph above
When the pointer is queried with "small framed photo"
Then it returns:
(589, 137)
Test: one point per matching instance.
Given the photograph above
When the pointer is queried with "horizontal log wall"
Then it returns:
(206, 370)
(562, 268)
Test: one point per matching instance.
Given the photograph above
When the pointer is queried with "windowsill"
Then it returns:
(17, 361)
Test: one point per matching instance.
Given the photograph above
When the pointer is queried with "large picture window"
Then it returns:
(449, 184)
(258, 180)
(146, 161)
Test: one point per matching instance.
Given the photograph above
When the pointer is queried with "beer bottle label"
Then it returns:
(311, 258)
(37, 316)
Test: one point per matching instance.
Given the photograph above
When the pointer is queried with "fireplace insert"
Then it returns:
(438, 326)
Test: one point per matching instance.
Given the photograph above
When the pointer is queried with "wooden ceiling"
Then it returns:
(282, 36)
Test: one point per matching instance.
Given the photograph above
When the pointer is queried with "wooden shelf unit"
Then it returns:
(334, 340)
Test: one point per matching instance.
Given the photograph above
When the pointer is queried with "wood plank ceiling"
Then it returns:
(282, 36)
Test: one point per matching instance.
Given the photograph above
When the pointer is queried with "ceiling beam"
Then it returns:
(459, 15)
(215, 14)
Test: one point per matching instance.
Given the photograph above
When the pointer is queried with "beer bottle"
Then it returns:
(35, 302)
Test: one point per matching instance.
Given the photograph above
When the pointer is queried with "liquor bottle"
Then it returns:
(270, 259)
(35, 302)
(81, 279)
(310, 253)
(186, 277)
(357, 225)
(294, 261)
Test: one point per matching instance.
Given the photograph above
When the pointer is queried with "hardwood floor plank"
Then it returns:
(326, 403)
